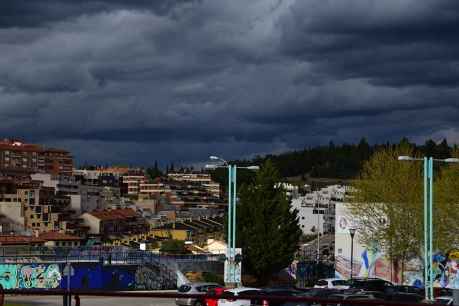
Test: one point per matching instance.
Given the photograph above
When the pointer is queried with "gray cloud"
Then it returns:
(134, 81)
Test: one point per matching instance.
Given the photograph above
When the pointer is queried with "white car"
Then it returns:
(332, 283)
(444, 300)
(227, 295)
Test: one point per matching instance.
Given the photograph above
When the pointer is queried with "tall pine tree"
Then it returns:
(267, 230)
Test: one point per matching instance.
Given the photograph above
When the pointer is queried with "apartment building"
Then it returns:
(17, 158)
(316, 209)
(203, 179)
(45, 210)
(115, 222)
(180, 194)
(58, 162)
(131, 183)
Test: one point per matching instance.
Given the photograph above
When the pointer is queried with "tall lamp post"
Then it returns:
(428, 227)
(352, 231)
(231, 277)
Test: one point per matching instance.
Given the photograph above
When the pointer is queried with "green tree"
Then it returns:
(387, 203)
(267, 229)
(154, 171)
(446, 207)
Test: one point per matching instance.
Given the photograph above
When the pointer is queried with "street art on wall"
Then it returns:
(445, 268)
(85, 276)
(39, 276)
(147, 278)
(370, 263)
(8, 276)
(18, 276)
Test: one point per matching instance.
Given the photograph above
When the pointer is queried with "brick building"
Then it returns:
(17, 158)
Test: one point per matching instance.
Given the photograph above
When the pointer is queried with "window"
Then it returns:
(339, 282)
(249, 292)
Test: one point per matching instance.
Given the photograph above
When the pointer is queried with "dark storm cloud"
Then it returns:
(26, 13)
(398, 43)
(132, 81)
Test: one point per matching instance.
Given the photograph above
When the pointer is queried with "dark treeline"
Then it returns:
(341, 161)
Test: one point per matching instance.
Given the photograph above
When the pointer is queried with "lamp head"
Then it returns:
(451, 160)
(352, 231)
(213, 157)
(210, 167)
(404, 158)
(253, 168)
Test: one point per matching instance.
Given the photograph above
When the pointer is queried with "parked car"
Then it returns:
(194, 289)
(332, 283)
(227, 298)
(315, 293)
(213, 296)
(353, 297)
(405, 297)
(372, 284)
(444, 300)
(276, 292)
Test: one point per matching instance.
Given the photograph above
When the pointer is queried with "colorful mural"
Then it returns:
(14, 276)
(446, 269)
(85, 276)
(8, 276)
(370, 263)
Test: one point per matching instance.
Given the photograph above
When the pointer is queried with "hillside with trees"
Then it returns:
(337, 162)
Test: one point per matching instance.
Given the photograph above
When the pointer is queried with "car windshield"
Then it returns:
(443, 301)
(339, 282)
(184, 288)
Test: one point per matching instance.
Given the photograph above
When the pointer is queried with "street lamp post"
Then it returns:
(352, 231)
(232, 258)
(428, 211)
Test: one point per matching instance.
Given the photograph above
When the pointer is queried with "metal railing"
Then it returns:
(121, 255)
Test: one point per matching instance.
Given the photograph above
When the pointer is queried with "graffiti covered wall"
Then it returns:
(26, 276)
(368, 261)
(85, 276)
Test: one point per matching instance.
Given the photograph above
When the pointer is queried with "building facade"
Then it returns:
(316, 209)
(17, 157)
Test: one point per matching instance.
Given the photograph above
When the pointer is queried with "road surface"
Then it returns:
(87, 301)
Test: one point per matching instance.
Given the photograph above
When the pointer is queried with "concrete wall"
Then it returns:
(13, 211)
(92, 222)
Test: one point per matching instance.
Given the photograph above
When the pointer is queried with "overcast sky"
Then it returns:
(131, 81)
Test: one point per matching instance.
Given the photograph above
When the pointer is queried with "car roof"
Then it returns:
(240, 289)
(202, 284)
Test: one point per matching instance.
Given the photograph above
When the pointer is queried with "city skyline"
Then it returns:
(138, 81)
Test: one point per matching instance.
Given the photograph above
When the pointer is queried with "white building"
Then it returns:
(83, 198)
(316, 210)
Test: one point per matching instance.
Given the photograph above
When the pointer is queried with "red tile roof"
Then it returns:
(114, 214)
(57, 236)
(18, 240)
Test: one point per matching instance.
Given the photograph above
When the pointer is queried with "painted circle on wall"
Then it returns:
(342, 223)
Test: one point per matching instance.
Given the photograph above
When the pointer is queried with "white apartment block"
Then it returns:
(133, 183)
(316, 209)
(203, 179)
